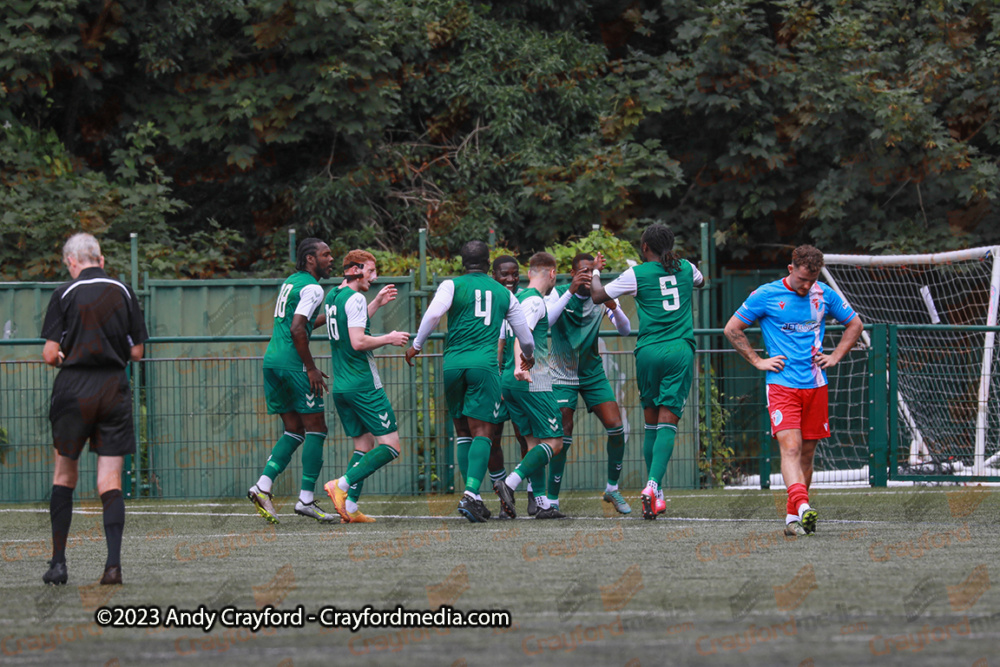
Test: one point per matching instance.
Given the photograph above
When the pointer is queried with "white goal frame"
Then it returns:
(918, 449)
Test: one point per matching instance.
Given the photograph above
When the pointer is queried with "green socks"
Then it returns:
(479, 459)
(616, 454)
(556, 467)
(536, 458)
(369, 463)
(354, 492)
(647, 445)
(312, 459)
(462, 446)
(662, 450)
(281, 454)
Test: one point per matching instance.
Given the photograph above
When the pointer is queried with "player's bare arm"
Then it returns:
(597, 292)
(362, 342)
(51, 353)
(736, 333)
(522, 373)
(847, 341)
(300, 339)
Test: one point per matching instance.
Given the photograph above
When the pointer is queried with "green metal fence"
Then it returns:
(203, 431)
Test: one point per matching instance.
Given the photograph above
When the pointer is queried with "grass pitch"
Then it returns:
(901, 576)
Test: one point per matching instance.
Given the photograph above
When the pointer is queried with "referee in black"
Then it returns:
(92, 329)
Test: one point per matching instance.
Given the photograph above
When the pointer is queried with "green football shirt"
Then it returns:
(353, 370)
(662, 299)
(302, 295)
(478, 308)
(538, 320)
(575, 357)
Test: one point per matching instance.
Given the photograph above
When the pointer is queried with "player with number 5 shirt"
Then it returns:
(664, 353)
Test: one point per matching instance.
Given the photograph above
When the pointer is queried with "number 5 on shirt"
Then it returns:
(672, 300)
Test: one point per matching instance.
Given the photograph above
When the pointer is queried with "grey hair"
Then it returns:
(83, 248)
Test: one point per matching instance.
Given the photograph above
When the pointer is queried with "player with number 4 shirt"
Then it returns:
(477, 306)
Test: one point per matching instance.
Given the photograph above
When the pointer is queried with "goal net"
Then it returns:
(948, 381)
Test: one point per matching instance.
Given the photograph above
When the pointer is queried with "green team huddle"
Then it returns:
(526, 356)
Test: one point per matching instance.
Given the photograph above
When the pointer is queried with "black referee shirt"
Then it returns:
(96, 320)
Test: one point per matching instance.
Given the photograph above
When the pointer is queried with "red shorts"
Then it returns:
(804, 409)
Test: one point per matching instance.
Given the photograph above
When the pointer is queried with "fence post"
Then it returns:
(425, 411)
(893, 399)
(877, 404)
(765, 443)
(422, 247)
(449, 457)
(706, 323)
(128, 468)
(291, 245)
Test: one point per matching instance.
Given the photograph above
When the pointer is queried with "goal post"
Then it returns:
(949, 401)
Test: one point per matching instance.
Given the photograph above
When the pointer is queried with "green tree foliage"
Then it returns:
(46, 194)
(355, 121)
(861, 126)
(855, 125)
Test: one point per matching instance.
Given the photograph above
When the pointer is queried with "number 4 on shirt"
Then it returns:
(487, 312)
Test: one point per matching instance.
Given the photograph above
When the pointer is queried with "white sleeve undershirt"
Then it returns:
(623, 284)
(699, 279)
(555, 304)
(620, 319)
(438, 306)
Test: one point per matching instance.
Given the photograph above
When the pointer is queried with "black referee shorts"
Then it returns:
(92, 404)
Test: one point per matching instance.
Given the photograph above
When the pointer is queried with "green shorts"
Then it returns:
(504, 414)
(363, 412)
(534, 413)
(594, 393)
(664, 373)
(473, 392)
(289, 391)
